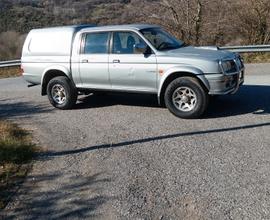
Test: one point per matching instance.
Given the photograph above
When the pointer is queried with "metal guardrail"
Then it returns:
(247, 49)
(10, 63)
(237, 49)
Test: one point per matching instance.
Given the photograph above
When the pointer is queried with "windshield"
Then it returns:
(161, 40)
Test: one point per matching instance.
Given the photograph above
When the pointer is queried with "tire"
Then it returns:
(186, 98)
(61, 93)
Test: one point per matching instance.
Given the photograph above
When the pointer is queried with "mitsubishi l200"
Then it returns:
(67, 61)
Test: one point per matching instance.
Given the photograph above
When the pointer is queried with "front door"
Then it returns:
(93, 62)
(130, 70)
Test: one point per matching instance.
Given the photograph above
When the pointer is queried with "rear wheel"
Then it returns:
(186, 98)
(61, 93)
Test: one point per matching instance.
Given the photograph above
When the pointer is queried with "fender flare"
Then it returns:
(63, 69)
(59, 68)
(190, 70)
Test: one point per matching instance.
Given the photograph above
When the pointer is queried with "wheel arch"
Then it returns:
(51, 73)
(176, 74)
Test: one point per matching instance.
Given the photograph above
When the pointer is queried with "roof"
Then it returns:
(75, 28)
(123, 27)
(66, 27)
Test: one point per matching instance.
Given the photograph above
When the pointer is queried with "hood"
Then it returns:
(208, 53)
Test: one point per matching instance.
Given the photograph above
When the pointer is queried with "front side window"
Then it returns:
(124, 42)
(161, 40)
(96, 43)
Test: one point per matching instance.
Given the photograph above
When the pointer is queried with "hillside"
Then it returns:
(23, 15)
(198, 22)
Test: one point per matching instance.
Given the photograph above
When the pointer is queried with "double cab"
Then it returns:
(72, 60)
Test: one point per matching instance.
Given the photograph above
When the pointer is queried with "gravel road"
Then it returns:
(124, 157)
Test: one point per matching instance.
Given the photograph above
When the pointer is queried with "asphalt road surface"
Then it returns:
(124, 157)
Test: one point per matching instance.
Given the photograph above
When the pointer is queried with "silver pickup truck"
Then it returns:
(140, 58)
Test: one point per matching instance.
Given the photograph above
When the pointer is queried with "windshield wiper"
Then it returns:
(171, 47)
(185, 45)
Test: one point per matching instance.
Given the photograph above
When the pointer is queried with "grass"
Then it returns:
(256, 57)
(16, 153)
(9, 72)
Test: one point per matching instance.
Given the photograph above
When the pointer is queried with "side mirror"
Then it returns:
(140, 48)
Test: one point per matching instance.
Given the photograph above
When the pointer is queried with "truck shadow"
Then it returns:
(105, 100)
(11, 108)
(59, 202)
(253, 99)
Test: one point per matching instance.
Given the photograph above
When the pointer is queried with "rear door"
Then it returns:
(130, 70)
(93, 61)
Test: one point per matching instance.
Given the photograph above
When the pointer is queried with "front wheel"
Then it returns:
(61, 93)
(186, 98)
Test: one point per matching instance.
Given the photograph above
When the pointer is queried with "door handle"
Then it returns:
(116, 61)
(84, 61)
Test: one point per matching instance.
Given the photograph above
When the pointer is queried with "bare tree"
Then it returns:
(10, 45)
(198, 21)
(254, 21)
(182, 17)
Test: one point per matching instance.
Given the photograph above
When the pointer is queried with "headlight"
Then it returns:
(228, 66)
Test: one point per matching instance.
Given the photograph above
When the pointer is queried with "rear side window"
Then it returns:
(96, 43)
(57, 42)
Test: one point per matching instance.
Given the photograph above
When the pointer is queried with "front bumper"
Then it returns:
(221, 84)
